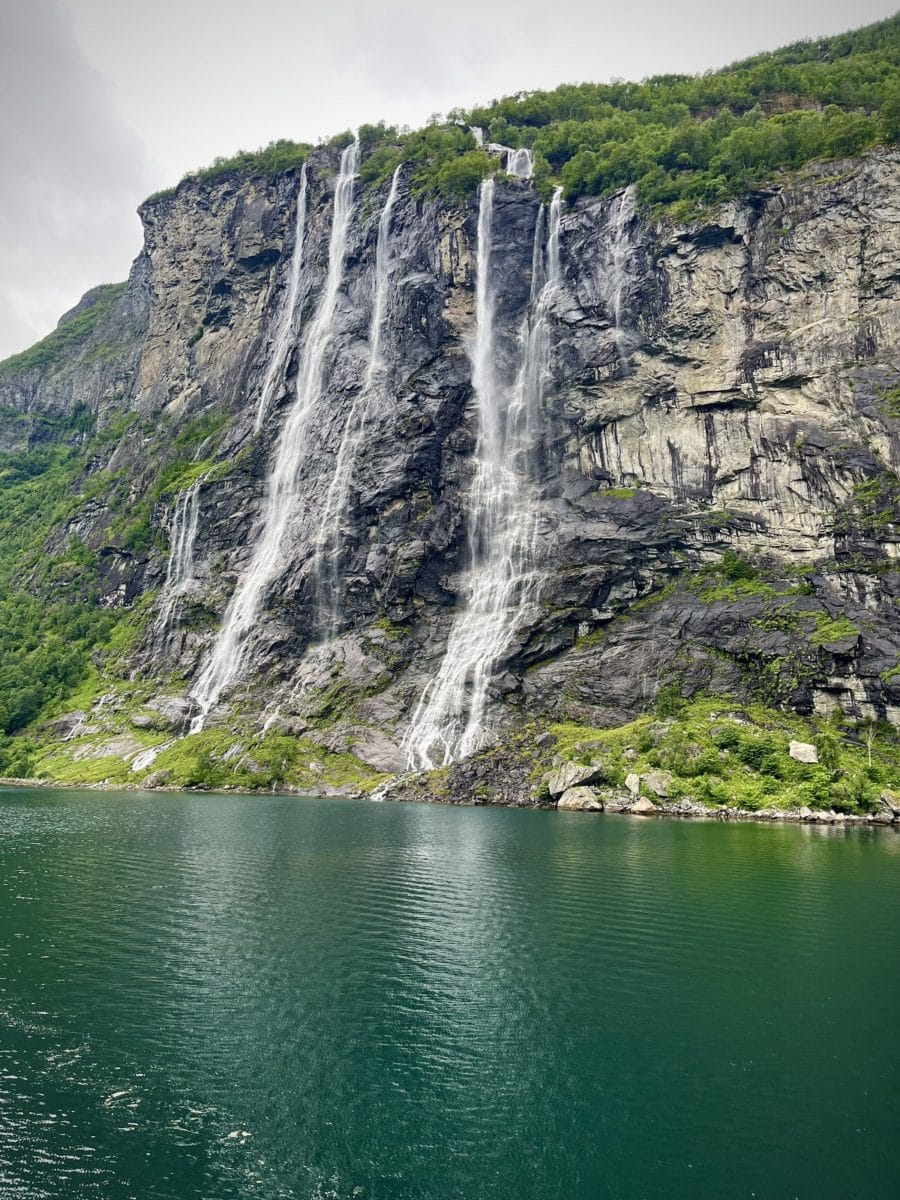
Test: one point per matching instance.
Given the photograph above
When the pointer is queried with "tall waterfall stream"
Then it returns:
(226, 659)
(328, 548)
(503, 577)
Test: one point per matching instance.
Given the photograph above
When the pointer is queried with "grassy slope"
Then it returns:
(67, 336)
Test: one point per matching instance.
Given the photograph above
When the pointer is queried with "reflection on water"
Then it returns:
(212, 997)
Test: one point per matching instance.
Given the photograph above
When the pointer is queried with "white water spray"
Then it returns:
(226, 660)
(284, 332)
(180, 569)
(328, 549)
(503, 578)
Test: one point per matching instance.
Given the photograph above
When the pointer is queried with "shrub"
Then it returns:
(828, 749)
(669, 701)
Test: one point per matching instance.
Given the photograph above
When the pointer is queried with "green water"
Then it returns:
(209, 997)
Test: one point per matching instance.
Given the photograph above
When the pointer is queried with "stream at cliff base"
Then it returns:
(206, 997)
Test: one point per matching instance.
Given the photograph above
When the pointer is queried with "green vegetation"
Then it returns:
(263, 762)
(442, 159)
(53, 631)
(281, 155)
(874, 506)
(890, 401)
(725, 754)
(45, 639)
(52, 627)
(214, 759)
(732, 578)
(70, 332)
(694, 140)
(828, 630)
(618, 493)
(683, 141)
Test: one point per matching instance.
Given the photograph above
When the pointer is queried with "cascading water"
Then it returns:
(226, 660)
(180, 569)
(619, 263)
(327, 561)
(519, 163)
(286, 321)
(503, 579)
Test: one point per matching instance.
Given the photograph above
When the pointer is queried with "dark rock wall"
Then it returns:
(742, 404)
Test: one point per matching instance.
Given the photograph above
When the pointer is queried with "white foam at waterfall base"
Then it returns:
(180, 568)
(334, 514)
(503, 506)
(284, 332)
(226, 661)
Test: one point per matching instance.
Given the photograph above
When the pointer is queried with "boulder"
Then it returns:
(805, 814)
(804, 752)
(579, 799)
(889, 801)
(686, 807)
(659, 783)
(166, 713)
(882, 817)
(633, 783)
(571, 775)
(643, 807)
(156, 779)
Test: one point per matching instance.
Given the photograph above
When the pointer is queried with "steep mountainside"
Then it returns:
(258, 488)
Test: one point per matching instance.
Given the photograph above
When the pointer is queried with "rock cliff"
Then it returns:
(718, 508)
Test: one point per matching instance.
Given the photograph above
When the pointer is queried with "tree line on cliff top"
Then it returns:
(683, 141)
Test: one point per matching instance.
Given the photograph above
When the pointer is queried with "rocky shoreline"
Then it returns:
(573, 799)
(886, 814)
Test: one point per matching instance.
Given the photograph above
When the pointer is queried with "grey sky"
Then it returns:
(104, 101)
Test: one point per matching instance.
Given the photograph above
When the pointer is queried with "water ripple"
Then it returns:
(215, 997)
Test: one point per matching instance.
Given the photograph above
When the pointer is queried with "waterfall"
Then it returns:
(519, 163)
(226, 659)
(327, 561)
(619, 265)
(503, 579)
(180, 569)
(286, 320)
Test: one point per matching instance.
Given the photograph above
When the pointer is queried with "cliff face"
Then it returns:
(718, 394)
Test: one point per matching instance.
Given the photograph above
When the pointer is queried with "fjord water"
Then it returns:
(209, 997)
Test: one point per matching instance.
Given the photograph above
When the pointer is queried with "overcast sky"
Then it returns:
(104, 101)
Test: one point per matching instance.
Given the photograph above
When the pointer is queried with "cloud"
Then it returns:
(73, 174)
